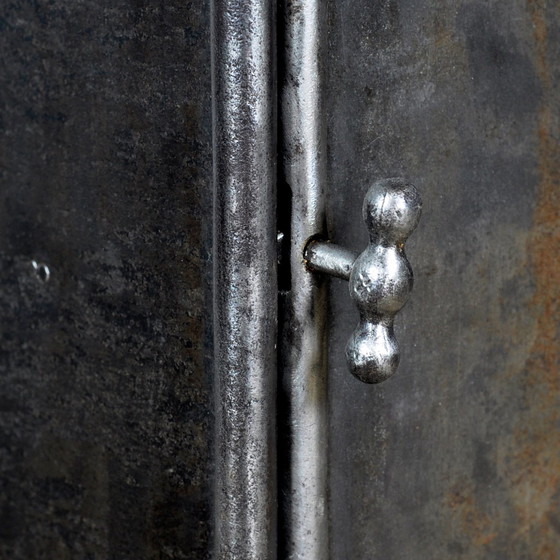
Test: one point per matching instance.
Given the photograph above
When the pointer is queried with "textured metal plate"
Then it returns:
(105, 173)
(458, 455)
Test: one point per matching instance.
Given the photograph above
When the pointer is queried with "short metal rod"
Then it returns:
(326, 257)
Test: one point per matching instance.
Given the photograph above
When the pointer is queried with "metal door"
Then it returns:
(137, 424)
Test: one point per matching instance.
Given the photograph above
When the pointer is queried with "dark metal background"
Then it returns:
(457, 455)
(105, 167)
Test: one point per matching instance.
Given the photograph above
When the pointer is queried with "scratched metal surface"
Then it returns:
(458, 455)
(105, 173)
(245, 286)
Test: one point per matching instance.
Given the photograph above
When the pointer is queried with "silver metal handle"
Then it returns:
(380, 278)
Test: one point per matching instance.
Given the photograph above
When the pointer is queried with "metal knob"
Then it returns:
(380, 279)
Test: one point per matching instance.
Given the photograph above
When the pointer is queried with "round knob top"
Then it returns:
(391, 211)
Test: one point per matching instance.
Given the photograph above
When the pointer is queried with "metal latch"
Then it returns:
(380, 278)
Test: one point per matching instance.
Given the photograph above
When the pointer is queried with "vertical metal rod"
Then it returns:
(245, 277)
(303, 351)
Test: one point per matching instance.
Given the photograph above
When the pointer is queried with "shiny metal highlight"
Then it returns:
(245, 278)
(303, 342)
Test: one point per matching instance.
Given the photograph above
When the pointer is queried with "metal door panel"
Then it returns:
(457, 455)
(105, 169)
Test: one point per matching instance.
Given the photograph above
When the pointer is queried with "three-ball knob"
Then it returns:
(380, 278)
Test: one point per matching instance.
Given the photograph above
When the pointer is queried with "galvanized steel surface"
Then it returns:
(245, 278)
(303, 404)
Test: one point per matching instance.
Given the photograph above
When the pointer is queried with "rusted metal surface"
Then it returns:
(105, 273)
(302, 372)
(536, 453)
(380, 278)
(460, 453)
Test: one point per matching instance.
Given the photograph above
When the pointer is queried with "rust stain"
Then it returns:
(530, 468)
(534, 471)
(475, 524)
